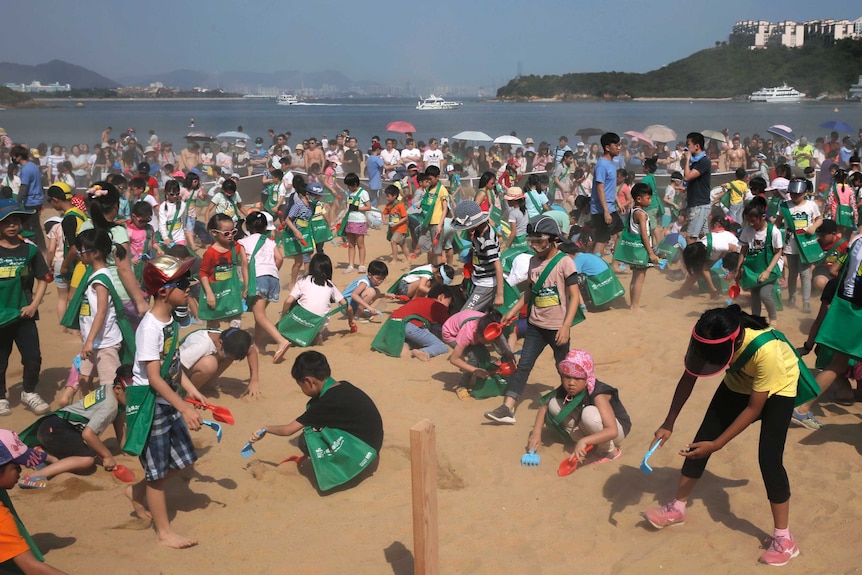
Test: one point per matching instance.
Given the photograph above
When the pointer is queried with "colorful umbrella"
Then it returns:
(640, 136)
(782, 131)
(660, 133)
(402, 127)
(837, 126)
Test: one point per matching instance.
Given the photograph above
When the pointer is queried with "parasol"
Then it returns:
(402, 127)
(713, 135)
(506, 139)
(587, 133)
(233, 135)
(837, 126)
(199, 137)
(782, 131)
(660, 133)
(473, 136)
(640, 136)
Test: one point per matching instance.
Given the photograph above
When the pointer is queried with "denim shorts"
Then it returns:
(60, 280)
(190, 225)
(268, 287)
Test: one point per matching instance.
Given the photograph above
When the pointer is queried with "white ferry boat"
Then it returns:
(432, 102)
(783, 93)
(286, 100)
(855, 92)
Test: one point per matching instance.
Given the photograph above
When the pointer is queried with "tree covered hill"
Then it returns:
(720, 72)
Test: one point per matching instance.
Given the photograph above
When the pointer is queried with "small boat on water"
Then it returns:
(286, 100)
(433, 102)
(783, 93)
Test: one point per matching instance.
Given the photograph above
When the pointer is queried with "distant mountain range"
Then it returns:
(231, 81)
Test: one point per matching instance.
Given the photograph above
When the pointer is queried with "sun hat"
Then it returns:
(60, 191)
(299, 147)
(149, 150)
(545, 225)
(529, 141)
(164, 269)
(178, 174)
(239, 144)
(2, 132)
(450, 168)
(34, 152)
(708, 355)
(514, 193)
(375, 146)
(13, 449)
(468, 215)
(10, 207)
(143, 168)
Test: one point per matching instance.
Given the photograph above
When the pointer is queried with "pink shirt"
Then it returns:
(465, 335)
(137, 237)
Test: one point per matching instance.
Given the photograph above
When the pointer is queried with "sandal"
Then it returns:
(463, 394)
(608, 456)
(33, 482)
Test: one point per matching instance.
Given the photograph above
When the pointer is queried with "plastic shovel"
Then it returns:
(221, 414)
(298, 459)
(733, 291)
(124, 474)
(495, 329)
(215, 427)
(530, 459)
(248, 450)
(569, 464)
(505, 369)
(644, 465)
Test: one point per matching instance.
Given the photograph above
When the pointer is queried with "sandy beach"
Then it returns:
(495, 516)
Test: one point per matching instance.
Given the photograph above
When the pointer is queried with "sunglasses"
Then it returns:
(183, 283)
(225, 233)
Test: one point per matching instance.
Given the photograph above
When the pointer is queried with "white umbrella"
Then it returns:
(713, 135)
(233, 135)
(473, 136)
(514, 141)
(660, 133)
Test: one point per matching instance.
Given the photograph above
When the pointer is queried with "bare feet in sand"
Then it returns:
(420, 355)
(171, 539)
(136, 496)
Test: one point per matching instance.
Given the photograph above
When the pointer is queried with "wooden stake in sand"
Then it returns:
(423, 467)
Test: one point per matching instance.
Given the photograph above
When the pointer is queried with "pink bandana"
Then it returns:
(579, 363)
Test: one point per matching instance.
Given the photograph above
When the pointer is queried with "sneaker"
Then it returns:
(34, 403)
(4, 407)
(806, 420)
(361, 269)
(781, 550)
(664, 516)
(806, 307)
(501, 415)
(792, 301)
(349, 270)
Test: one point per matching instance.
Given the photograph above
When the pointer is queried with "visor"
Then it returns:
(707, 357)
(797, 186)
(446, 279)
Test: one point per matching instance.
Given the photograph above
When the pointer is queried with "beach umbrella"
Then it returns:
(199, 137)
(233, 135)
(837, 126)
(587, 133)
(507, 139)
(713, 135)
(473, 136)
(660, 133)
(782, 131)
(640, 136)
(402, 127)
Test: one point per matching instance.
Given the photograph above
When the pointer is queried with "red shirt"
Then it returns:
(213, 258)
(424, 307)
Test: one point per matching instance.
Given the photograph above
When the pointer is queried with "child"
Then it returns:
(396, 218)
(487, 274)
(421, 338)
(583, 409)
(834, 248)
(61, 238)
(298, 225)
(801, 218)
(635, 245)
(435, 208)
(206, 353)
(700, 256)
(18, 548)
(764, 388)
(465, 333)
(139, 191)
(19, 305)
(760, 261)
(363, 292)
(355, 226)
(223, 287)
(190, 192)
(337, 411)
(517, 218)
(71, 435)
(173, 211)
(737, 189)
(142, 238)
(418, 281)
(264, 261)
(554, 300)
(227, 202)
(273, 194)
(841, 204)
(158, 418)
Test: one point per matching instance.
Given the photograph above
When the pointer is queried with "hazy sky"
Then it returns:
(436, 42)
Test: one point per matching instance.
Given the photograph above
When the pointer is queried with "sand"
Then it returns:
(495, 516)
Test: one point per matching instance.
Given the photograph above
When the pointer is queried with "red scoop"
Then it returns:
(505, 369)
(221, 414)
(495, 329)
(124, 474)
(569, 464)
(733, 291)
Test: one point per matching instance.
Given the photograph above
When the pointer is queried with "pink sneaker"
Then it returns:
(664, 516)
(781, 550)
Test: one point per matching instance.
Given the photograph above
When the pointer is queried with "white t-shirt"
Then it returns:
(313, 297)
(432, 157)
(110, 334)
(197, 344)
(721, 242)
(390, 158)
(152, 343)
(518, 273)
(177, 232)
(408, 156)
(756, 240)
(358, 217)
(803, 216)
(264, 260)
(225, 206)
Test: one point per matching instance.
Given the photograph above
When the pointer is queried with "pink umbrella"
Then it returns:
(402, 127)
(640, 136)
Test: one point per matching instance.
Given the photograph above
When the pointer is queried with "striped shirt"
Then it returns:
(486, 251)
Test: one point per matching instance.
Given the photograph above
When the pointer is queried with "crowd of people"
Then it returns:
(147, 243)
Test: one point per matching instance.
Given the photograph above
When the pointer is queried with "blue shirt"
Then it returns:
(374, 171)
(31, 186)
(590, 264)
(606, 173)
(534, 197)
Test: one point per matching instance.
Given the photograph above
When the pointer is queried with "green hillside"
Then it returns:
(11, 98)
(720, 72)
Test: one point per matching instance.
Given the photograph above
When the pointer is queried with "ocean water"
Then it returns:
(67, 125)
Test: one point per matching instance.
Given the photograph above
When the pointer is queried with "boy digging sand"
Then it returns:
(158, 418)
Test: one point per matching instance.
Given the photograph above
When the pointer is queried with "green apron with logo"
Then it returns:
(720, 278)
(756, 263)
(336, 456)
(320, 230)
(29, 436)
(394, 287)
(11, 287)
(843, 214)
(301, 326)
(227, 289)
(604, 287)
(841, 329)
(390, 338)
(291, 245)
(810, 251)
(271, 201)
(139, 267)
(427, 205)
(172, 226)
(573, 408)
(631, 249)
(252, 267)
(394, 221)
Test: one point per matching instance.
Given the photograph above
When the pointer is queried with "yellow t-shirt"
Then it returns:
(773, 368)
(437, 214)
(738, 194)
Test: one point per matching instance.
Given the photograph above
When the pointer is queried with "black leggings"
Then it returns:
(725, 407)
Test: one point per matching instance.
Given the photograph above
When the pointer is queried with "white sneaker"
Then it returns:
(4, 407)
(34, 403)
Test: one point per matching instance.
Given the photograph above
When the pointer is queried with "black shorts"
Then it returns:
(602, 232)
(62, 439)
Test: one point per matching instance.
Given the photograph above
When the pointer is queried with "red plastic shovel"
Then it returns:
(124, 474)
(569, 464)
(505, 369)
(221, 414)
(495, 329)
(733, 291)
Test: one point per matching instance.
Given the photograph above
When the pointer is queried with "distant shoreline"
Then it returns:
(182, 99)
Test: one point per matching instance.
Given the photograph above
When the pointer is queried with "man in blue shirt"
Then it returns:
(31, 195)
(696, 173)
(374, 172)
(603, 210)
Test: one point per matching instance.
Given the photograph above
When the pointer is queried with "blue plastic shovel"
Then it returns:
(248, 450)
(644, 465)
(215, 427)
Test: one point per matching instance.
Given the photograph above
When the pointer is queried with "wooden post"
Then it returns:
(423, 467)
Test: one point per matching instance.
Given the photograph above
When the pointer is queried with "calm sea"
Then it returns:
(67, 125)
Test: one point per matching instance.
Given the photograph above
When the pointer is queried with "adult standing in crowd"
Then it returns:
(696, 173)
(30, 194)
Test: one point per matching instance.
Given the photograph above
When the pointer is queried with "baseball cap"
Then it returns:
(315, 188)
(13, 449)
(60, 191)
(545, 225)
(162, 270)
(375, 146)
(143, 168)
